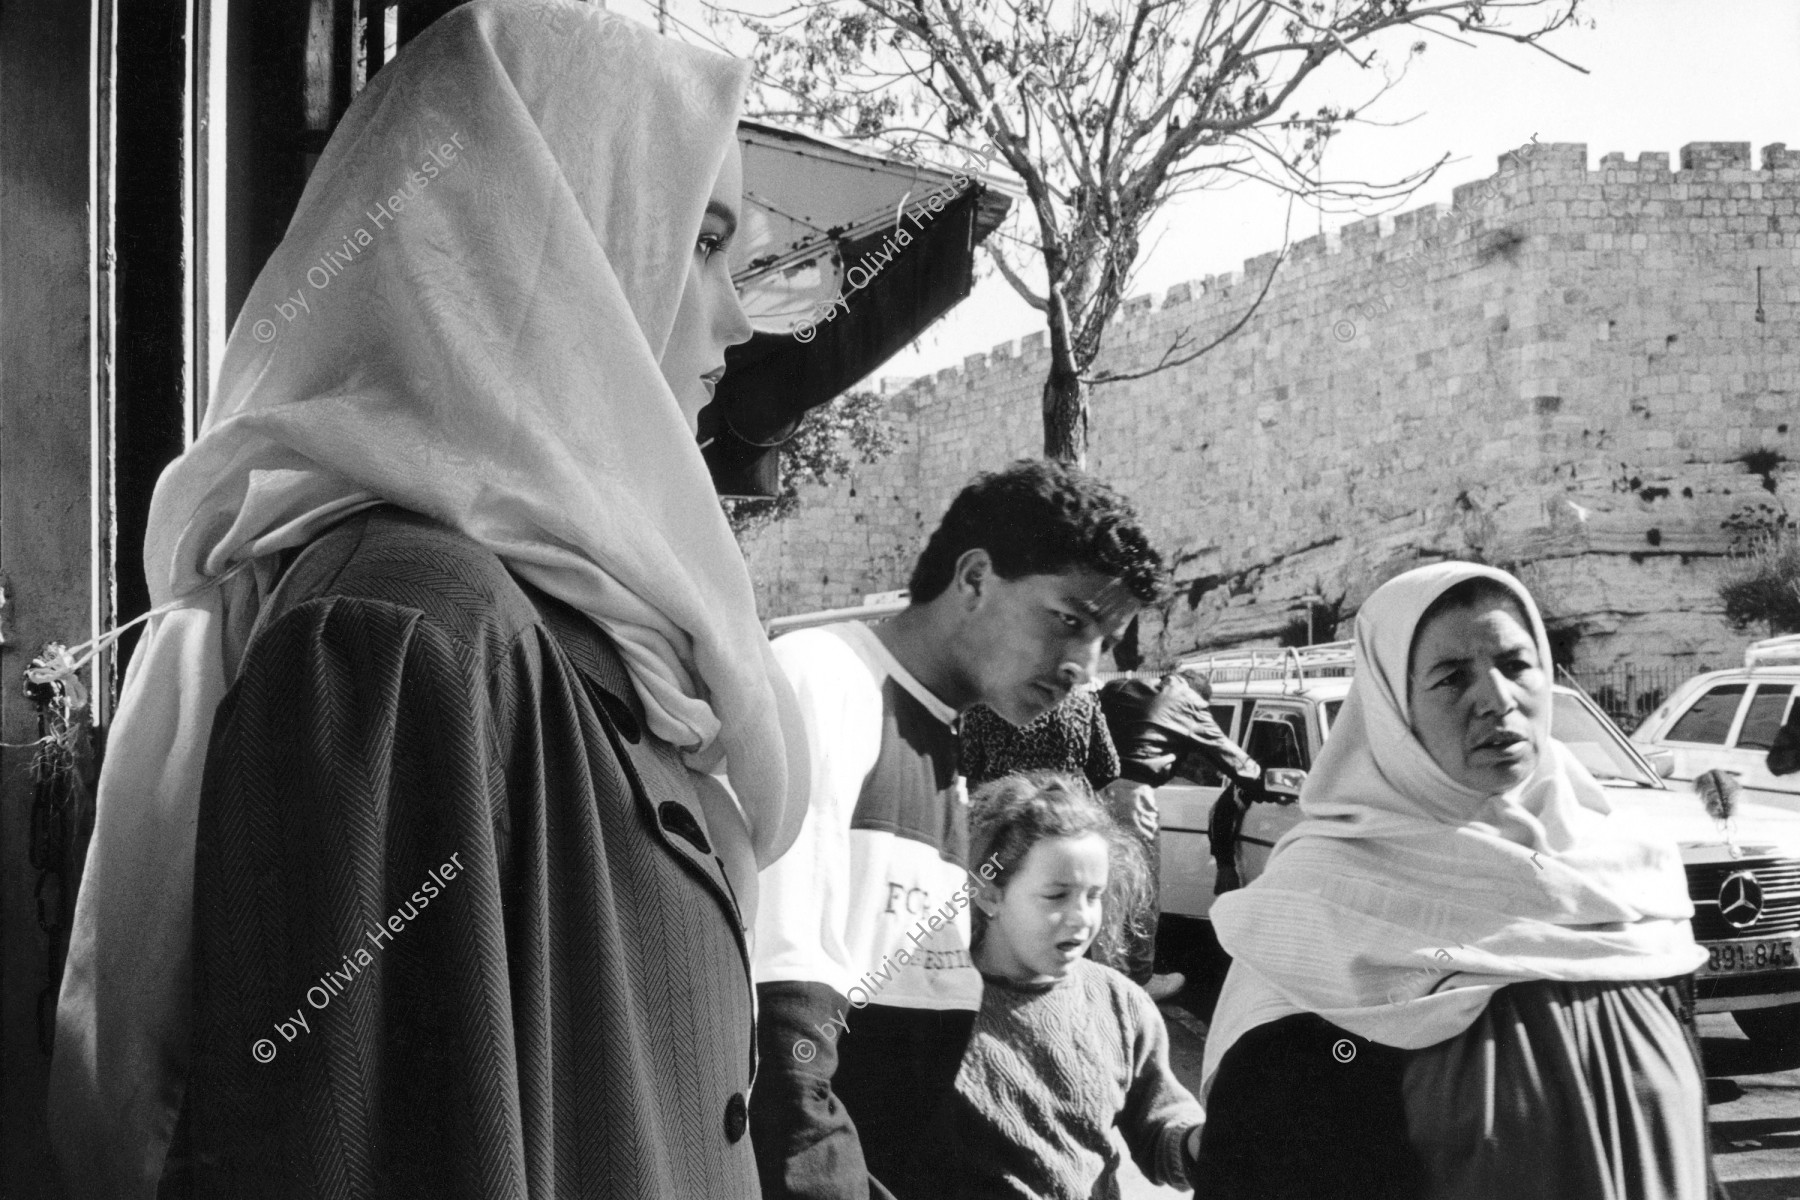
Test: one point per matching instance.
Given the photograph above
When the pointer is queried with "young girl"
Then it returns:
(1063, 1048)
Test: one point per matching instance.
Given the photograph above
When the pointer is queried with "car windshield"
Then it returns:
(1595, 742)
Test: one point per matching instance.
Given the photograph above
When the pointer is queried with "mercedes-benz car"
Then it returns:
(1743, 875)
(1726, 720)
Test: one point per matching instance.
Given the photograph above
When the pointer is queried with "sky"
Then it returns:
(1660, 74)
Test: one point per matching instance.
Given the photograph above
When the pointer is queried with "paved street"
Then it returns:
(1755, 1110)
(1755, 1115)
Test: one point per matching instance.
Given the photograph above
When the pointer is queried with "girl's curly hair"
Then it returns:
(1014, 813)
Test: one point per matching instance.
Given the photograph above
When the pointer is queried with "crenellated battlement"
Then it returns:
(1526, 179)
(1587, 372)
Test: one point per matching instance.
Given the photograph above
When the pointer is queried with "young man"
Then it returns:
(864, 982)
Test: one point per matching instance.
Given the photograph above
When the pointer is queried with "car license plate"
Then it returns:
(1737, 958)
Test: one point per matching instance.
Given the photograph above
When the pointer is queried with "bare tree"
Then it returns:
(1105, 111)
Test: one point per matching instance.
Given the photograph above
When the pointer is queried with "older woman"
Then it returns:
(1451, 981)
(409, 768)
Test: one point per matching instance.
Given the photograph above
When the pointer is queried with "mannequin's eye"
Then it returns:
(709, 244)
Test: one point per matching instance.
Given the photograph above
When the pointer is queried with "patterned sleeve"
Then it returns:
(971, 746)
(1102, 756)
(361, 748)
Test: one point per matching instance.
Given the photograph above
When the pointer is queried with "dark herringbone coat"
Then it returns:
(568, 1015)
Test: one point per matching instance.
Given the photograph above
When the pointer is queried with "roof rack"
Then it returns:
(1286, 665)
(881, 609)
(1772, 651)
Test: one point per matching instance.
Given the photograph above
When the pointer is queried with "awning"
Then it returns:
(841, 258)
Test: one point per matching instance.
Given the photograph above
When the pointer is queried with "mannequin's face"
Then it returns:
(710, 317)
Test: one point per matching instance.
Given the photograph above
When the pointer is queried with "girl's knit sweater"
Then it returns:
(1049, 1072)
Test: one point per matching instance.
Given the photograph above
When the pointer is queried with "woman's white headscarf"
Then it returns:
(465, 319)
(1404, 900)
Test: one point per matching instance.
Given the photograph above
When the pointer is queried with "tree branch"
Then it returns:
(1018, 285)
(1105, 110)
(1167, 363)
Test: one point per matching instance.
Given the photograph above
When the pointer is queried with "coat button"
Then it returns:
(680, 822)
(737, 1118)
(622, 717)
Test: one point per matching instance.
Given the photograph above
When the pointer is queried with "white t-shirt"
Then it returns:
(871, 899)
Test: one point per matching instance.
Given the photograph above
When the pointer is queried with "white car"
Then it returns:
(1744, 878)
(1725, 720)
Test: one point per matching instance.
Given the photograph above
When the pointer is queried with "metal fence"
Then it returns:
(1628, 692)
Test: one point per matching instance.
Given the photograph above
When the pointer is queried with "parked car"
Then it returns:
(1726, 720)
(1744, 878)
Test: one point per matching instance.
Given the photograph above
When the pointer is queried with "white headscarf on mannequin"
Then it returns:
(1405, 900)
(465, 319)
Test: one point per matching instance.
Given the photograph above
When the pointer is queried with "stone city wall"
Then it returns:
(1579, 372)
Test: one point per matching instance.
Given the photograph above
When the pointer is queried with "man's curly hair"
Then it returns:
(1037, 517)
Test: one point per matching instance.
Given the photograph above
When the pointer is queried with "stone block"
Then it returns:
(1257, 269)
(1360, 233)
(1715, 156)
(1467, 198)
(1418, 219)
